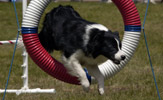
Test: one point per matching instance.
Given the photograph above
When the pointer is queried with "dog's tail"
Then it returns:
(46, 40)
(43, 39)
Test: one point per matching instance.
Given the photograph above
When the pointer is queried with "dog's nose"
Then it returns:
(123, 57)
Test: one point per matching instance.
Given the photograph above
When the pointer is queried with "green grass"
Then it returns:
(134, 82)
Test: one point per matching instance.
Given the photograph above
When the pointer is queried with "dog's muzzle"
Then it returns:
(118, 57)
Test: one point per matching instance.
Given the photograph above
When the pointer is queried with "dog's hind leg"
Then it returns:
(95, 72)
(75, 69)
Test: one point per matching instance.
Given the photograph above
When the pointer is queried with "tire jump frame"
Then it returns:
(132, 31)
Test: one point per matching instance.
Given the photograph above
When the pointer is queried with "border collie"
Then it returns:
(82, 43)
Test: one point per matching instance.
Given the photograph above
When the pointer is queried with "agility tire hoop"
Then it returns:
(54, 68)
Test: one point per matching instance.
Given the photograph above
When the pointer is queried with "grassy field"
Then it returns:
(134, 82)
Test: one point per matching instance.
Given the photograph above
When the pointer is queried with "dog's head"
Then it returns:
(108, 44)
(111, 47)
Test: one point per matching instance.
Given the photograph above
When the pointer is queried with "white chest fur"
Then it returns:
(85, 60)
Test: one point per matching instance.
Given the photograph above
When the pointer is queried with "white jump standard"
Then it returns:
(25, 88)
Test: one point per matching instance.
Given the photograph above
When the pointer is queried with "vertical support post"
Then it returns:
(25, 55)
(25, 69)
(24, 4)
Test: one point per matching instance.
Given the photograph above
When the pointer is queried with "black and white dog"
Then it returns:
(81, 42)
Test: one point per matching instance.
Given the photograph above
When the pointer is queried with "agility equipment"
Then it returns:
(132, 31)
(7, 42)
(25, 88)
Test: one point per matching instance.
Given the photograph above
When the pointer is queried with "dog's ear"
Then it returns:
(110, 34)
(96, 38)
(116, 33)
(97, 34)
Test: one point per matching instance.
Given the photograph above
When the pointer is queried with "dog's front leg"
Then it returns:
(75, 69)
(95, 72)
(81, 75)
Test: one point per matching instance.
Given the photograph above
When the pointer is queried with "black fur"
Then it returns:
(63, 29)
(82, 41)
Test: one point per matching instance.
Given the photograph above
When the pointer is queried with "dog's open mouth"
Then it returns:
(116, 61)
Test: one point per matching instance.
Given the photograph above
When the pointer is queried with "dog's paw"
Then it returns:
(86, 85)
(101, 91)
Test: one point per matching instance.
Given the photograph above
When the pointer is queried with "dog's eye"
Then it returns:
(109, 50)
(115, 45)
